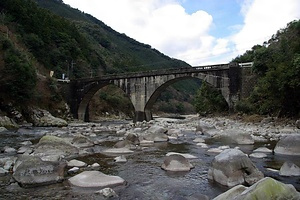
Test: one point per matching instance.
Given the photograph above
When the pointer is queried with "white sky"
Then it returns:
(172, 28)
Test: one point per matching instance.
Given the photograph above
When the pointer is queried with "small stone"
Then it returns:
(76, 163)
(187, 156)
(202, 145)
(3, 172)
(199, 140)
(120, 159)
(263, 150)
(258, 155)
(107, 192)
(9, 150)
(73, 170)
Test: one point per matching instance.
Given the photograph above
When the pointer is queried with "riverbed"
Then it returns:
(144, 178)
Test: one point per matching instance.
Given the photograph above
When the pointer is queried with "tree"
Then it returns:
(209, 100)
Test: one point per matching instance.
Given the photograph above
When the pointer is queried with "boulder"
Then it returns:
(8, 123)
(176, 163)
(81, 141)
(298, 123)
(123, 144)
(289, 169)
(2, 129)
(157, 129)
(30, 171)
(237, 136)
(44, 118)
(288, 145)
(90, 179)
(133, 138)
(53, 148)
(205, 128)
(269, 189)
(231, 193)
(232, 167)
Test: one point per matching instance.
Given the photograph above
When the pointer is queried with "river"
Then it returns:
(142, 172)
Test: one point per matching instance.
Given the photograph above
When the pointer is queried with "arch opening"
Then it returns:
(180, 80)
(105, 100)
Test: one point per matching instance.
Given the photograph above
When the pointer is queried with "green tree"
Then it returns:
(209, 100)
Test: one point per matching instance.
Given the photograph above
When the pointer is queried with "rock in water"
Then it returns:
(30, 171)
(232, 193)
(232, 167)
(95, 179)
(269, 189)
(288, 145)
(52, 148)
(265, 189)
(176, 163)
(289, 169)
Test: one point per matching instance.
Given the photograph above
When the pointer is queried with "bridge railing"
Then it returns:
(159, 72)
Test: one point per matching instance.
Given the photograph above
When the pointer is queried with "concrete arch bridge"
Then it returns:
(143, 88)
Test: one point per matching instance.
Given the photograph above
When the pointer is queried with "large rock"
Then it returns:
(231, 193)
(44, 118)
(95, 179)
(289, 169)
(8, 123)
(266, 189)
(157, 129)
(176, 163)
(288, 145)
(298, 123)
(53, 148)
(232, 167)
(81, 141)
(30, 171)
(237, 136)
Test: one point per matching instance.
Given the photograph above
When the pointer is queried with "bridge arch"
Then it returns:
(83, 108)
(156, 93)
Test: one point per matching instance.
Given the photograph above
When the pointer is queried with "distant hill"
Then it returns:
(39, 36)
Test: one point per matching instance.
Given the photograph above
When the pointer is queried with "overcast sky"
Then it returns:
(199, 32)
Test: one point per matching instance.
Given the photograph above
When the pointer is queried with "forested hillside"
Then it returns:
(46, 35)
(277, 64)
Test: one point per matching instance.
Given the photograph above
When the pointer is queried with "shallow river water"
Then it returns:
(142, 172)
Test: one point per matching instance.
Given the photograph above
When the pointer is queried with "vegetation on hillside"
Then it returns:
(277, 63)
(48, 35)
(277, 66)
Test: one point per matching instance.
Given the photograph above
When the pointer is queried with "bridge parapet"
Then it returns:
(195, 69)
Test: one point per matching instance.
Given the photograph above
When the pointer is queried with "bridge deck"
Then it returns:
(195, 69)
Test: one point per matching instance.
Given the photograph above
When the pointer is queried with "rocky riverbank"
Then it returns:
(55, 158)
